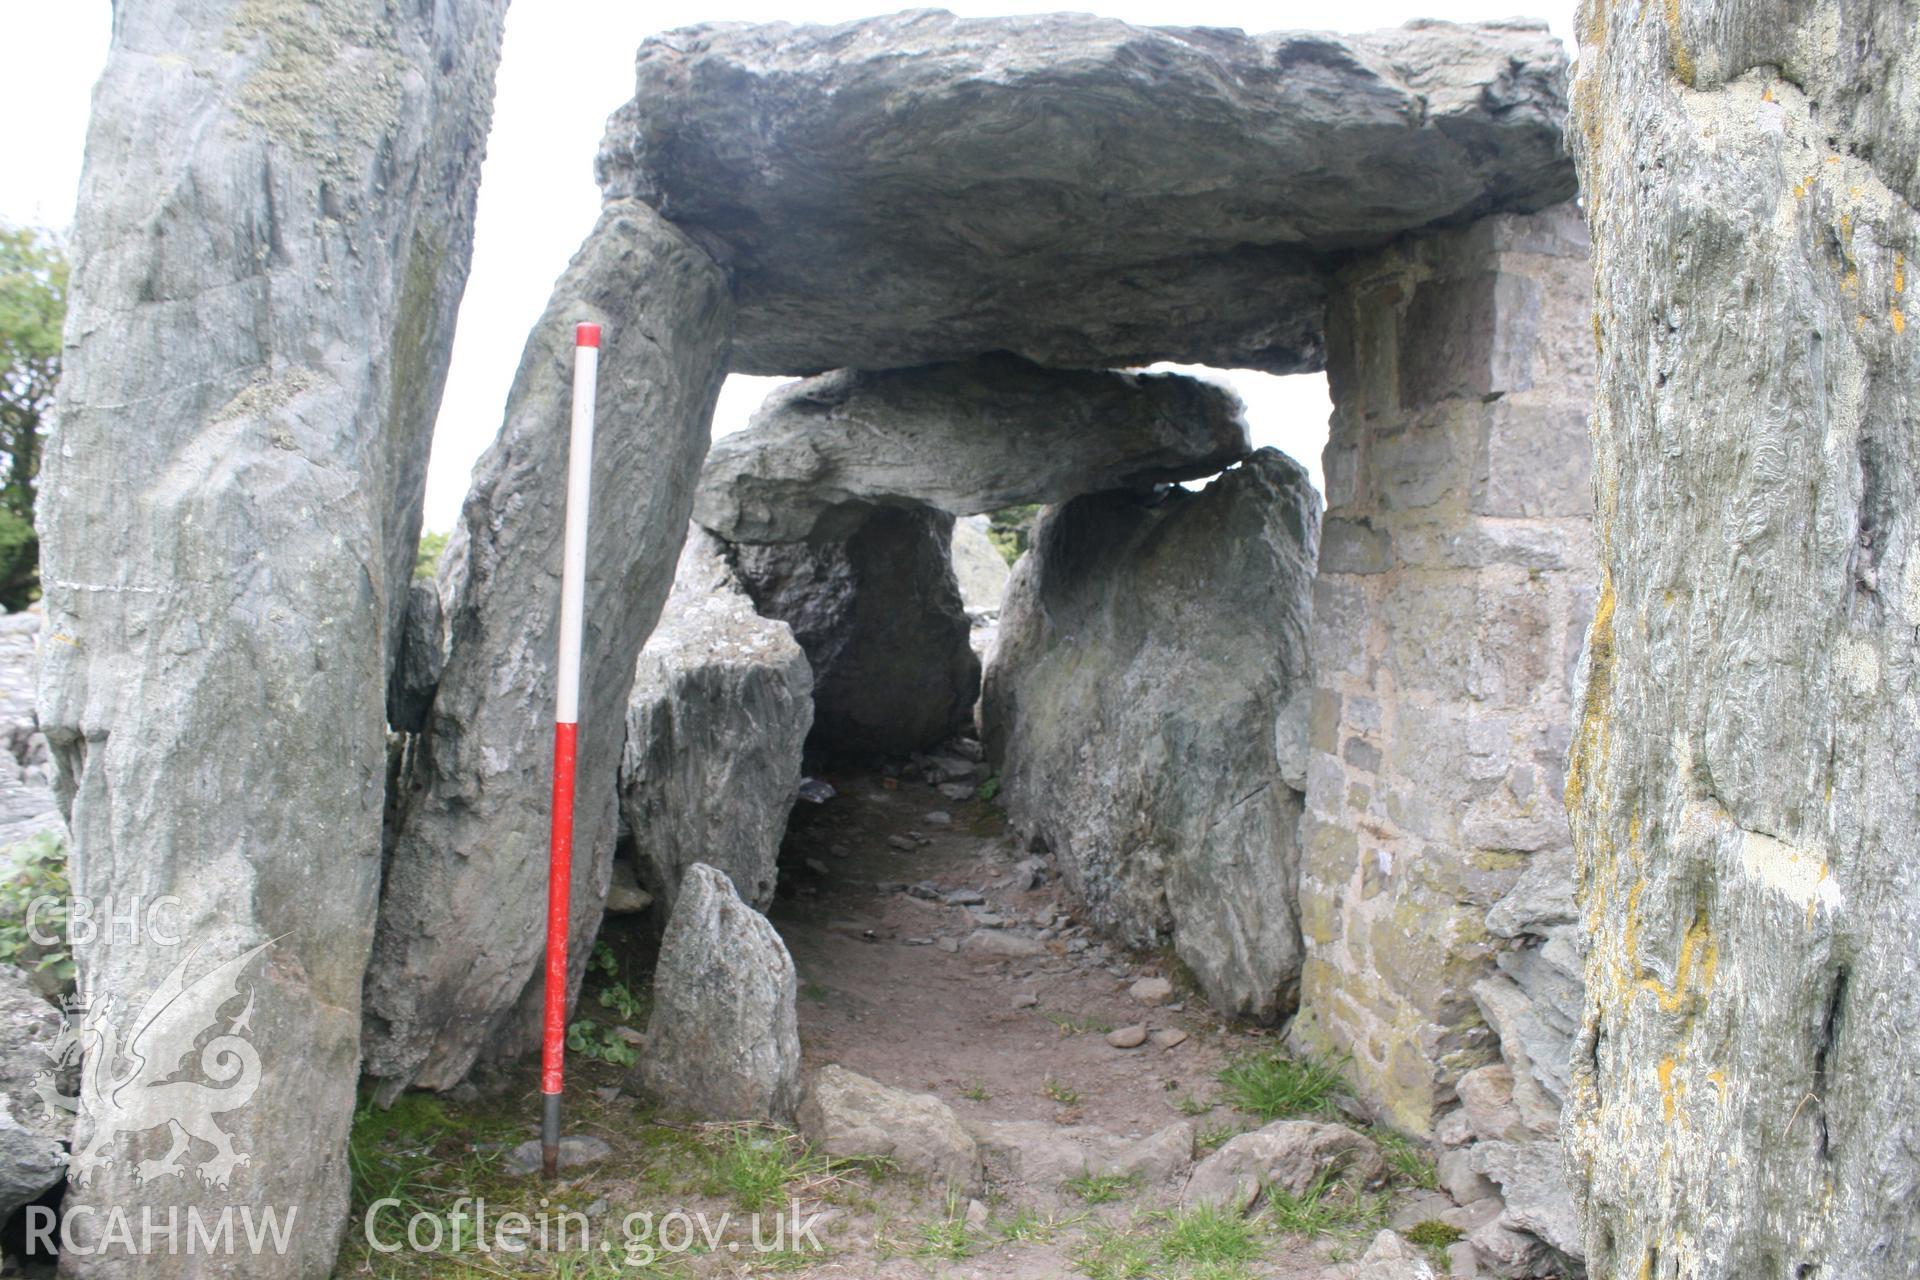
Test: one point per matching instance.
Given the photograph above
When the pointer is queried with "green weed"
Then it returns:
(1208, 1234)
(1274, 1086)
(1410, 1161)
(1101, 1188)
(1328, 1207)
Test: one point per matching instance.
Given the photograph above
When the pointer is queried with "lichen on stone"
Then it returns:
(329, 83)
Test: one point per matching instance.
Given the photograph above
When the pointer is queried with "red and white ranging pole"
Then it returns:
(566, 726)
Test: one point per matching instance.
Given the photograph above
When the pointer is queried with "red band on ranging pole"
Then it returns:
(566, 717)
(559, 896)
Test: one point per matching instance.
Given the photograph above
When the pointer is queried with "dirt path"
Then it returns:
(894, 987)
(936, 957)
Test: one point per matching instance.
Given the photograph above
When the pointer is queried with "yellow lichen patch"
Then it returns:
(1683, 67)
(1671, 1089)
(1899, 272)
(1700, 951)
(1589, 748)
(1851, 282)
(1718, 1079)
(1899, 321)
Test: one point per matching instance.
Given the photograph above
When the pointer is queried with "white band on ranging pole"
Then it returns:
(573, 563)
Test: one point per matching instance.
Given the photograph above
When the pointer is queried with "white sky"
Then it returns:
(566, 65)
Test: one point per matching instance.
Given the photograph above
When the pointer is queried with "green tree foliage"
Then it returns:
(33, 306)
(1010, 529)
(426, 561)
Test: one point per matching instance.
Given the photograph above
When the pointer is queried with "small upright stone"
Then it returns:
(724, 1042)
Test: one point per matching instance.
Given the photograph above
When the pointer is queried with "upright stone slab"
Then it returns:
(722, 701)
(724, 1039)
(463, 910)
(1151, 659)
(1744, 1099)
(272, 239)
(1455, 582)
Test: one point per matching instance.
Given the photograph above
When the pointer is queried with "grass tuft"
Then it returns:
(1101, 1188)
(758, 1167)
(1274, 1086)
(1115, 1255)
(1329, 1207)
(1209, 1235)
(1410, 1162)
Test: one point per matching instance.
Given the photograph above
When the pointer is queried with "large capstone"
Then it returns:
(272, 240)
(1744, 1100)
(965, 438)
(462, 911)
(883, 626)
(724, 1039)
(920, 187)
(1151, 647)
(722, 702)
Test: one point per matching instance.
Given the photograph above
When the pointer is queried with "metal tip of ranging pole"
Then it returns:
(566, 727)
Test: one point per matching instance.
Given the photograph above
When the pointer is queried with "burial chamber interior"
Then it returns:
(1316, 756)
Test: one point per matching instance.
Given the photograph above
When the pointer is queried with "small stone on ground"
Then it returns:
(575, 1150)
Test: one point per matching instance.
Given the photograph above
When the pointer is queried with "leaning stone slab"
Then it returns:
(921, 187)
(724, 1039)
(1149, 653)
(850, 1116)
(272, 238)
(964, 438)
(722, 701)
(461, 914)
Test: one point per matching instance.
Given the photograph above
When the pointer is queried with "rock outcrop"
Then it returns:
(1742, 776)
(849, 1116)
(920, 187)
(272, 240)
(462, 910)
(821, 454)
(1287, 1155)
(979, 570)
(33, 1135)
(724, 1039)
(880, 618)
(1150, 649)
(27, 806)
(722, 702)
